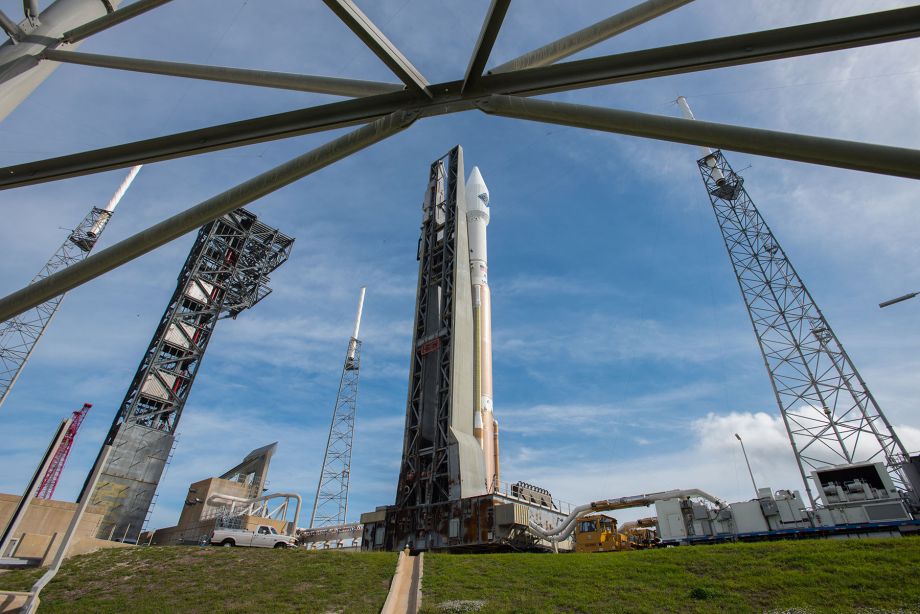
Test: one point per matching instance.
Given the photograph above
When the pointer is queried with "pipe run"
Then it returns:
(568, 524)
(275, 495)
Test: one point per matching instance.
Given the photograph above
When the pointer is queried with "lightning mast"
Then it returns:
(19, 335)
(330, 507)
(51, 477)
(829, 412)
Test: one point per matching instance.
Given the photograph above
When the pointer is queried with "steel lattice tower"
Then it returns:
(829, 412)
(51, 477)
(19, 335)
(330, 507)
(225, 273)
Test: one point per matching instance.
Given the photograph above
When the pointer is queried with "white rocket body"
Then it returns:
(705, 152)
(484, 425)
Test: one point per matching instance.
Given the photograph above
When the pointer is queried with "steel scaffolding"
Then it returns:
(225, 273)
(829, 412)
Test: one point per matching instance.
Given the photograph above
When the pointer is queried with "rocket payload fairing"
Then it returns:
(485, 427)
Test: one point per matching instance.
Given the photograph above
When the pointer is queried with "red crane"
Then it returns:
(49, 482)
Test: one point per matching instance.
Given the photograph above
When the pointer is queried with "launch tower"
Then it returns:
(330, 507)
(830, 414)
(225, 273)
(448, 490)
(20, 334)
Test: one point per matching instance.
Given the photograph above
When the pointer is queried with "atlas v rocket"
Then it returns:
(485, 427)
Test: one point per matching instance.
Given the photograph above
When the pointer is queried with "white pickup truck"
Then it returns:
(263, 537)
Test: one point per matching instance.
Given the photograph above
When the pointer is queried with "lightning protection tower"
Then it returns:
(330, 507)
(20, 334)
(51, 477)
(829, 412)
(225, 273)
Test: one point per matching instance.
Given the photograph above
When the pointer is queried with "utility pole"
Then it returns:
(330, 506)
(743, 451)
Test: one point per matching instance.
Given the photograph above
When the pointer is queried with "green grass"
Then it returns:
(210, 580)
(869, 576)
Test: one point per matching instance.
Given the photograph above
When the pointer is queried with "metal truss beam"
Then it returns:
(11, 28)
(802, 148)
(487, 36)
(794, 41)
(194, 217)
(236, 134)
(260, 78)
(747, 48)
(592, 35)
(376, 41)
(112, 19)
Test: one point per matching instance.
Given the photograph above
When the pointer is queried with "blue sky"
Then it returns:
(624, 359)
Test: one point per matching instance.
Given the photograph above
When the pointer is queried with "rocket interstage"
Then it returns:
(484, 425)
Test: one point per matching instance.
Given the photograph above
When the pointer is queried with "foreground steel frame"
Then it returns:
(385, 109)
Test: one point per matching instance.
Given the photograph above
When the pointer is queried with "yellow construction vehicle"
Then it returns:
(642, 533)
(598, 533)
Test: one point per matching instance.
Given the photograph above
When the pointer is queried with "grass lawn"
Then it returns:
(869, 576)
(210, 580)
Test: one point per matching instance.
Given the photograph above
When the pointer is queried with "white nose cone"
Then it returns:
(477, 218)
(477, 194)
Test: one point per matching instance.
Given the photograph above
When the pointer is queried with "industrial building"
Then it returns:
(236, 499)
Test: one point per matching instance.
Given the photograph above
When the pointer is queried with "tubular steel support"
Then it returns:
(819, 37)
(592, 35)
(30, 9)
(377, 42)
(192, 218)
(112, 19)
(831, 152)
(487, 36)
(260, 78)
(11, 28)
(236, 134)
(794, 41)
